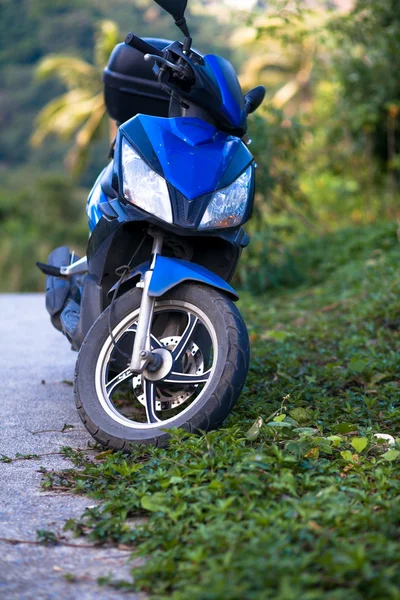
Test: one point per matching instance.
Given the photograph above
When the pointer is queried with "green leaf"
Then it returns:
(313, 453)
(277, 424)
(47, 538)
(103, 454)
(378, 377)
(347, 455)
(357, 365)
(335, 439)
(344, 427)
(174, 479)
(254, 430)
(279, 336)
(300, 414)
(306, 430)
(279, 418)
(215, 485)
(155, 503)
(391, 455)
(359, 444)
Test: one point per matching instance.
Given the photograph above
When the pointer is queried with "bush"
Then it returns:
(34, 219)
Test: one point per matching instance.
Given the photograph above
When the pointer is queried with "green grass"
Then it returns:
(307, 504)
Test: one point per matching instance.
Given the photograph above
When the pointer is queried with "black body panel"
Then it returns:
(91, 307)
(107, 181)
(115, 240)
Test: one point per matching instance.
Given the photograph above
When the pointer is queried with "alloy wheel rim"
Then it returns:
(106, 387)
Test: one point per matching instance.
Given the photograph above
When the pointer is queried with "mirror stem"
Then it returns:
(181, 23)
(187, 44)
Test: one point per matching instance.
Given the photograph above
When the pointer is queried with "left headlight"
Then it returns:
(142, 186)
(228, 206)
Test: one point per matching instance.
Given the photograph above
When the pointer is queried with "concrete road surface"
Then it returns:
(35, 359)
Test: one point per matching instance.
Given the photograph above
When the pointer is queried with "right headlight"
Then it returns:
(143, 187)
(228, 206)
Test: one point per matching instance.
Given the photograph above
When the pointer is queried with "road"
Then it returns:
(35, 364)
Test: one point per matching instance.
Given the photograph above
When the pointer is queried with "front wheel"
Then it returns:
(204, 342)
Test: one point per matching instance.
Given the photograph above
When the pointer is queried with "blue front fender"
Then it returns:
(170, 272)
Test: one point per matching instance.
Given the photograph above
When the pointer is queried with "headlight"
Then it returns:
(227, 206)
(142, 186)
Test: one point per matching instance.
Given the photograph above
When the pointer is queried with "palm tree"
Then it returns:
(80, 113)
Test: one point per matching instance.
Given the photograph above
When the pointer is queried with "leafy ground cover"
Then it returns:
(295, 497)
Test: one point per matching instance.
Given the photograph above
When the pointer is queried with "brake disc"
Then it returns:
(173, 396)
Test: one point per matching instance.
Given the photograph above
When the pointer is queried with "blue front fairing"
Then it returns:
(191, 154)
(194, 157)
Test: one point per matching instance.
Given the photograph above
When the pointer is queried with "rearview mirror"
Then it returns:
(176, 8)
(254, 98)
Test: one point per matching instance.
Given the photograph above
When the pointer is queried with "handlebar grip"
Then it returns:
(139, 44)
(50, 270)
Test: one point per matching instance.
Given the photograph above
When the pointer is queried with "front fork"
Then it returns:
(142, 356)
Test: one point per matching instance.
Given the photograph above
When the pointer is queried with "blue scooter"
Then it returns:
(150, 308)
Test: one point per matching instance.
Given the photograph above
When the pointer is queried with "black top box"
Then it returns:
(130, 86)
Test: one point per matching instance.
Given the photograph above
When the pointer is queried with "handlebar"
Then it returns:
(181, 69)
(139, 44)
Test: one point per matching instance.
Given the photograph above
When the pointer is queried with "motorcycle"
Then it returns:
(150, 308)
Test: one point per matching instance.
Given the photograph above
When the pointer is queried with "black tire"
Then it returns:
(225, 385)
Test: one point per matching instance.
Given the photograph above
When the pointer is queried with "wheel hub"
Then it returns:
(166, 365)
(172, 396)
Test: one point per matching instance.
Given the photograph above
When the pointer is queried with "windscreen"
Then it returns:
(231, 92)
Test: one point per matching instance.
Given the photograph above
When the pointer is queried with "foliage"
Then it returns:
(368, 64)
(294, 497)
(81, 111)
(325, 72)
(29, 30)
(33, 29)
(281, 46)
(275, 144)
(47, 538)
(47, 213)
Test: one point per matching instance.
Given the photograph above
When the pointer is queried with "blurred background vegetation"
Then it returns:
(326, 141)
